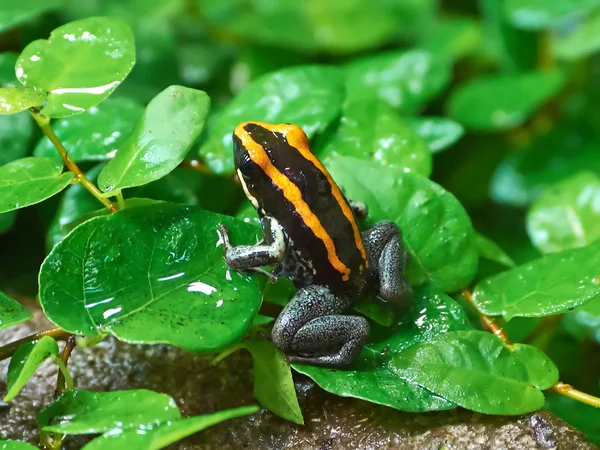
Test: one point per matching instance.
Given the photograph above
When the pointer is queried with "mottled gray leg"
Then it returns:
(359, 209)
(312, 329)
(387, 259)
(271, 250)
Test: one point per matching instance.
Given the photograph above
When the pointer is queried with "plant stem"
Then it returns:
(44, 123)
(120, 199)
(560, 388)
(57, 333)
(64, 382)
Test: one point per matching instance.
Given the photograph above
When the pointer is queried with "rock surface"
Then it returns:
(331, 422)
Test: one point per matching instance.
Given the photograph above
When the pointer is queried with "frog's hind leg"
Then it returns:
(312, 329)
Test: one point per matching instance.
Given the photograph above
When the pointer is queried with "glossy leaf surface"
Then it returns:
(164, 135)
(14, 99)
(439, 133)
(500, 102)
(475, 370)
(151, 274)
(550, 285)
(87, 412)
(11, 312)
(373, 378)
(95, 134)
(436, 230)
(31, 180)
(80, 65)
(25, 362)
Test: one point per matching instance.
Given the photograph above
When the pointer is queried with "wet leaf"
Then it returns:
(151, 274)
(373, 378)
(550, 285)
(307, 96)
(406, 80)
(87, 412)
(95, 134)
(15, 99)
(25, 362)
(439, 133)
(28, 181)
(475, 370)
(11, 312)
(18, 12)
(436, 230)
(500, 102)
(160, 436)
(161, 139)
(566, 215)
(538, 14)
(490, 250)
(373, 131)
(61, 65)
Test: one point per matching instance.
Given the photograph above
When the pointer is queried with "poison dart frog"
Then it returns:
(312, 236)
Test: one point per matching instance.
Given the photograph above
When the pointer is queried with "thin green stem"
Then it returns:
(57, 333)
(44, 124)
(120, 199)
(64, 381)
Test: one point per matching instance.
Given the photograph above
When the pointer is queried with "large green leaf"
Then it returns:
(583, 42)
(28, 181)
(538, 14)
(80, 65)
(567, 215)
(273, 383)
(438, 133)
(372, 377)
(550, 285)
(15, 133)
(307, 96)
(16, 445)
(157, 437)
(477, 371)
(151, 274)
(11, 312)
(95, 134)
(87, 412)
(170, 125)
(436, 230)
(14, 99)
(373, 131)
(406, 79)
(25, 362)
(499, 102)
(16, 12)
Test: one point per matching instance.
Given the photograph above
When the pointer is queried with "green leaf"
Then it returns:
(454, 37)
(273, 383)
(61, 65)
(373, 131)
(25, 362)
(500, 102)
(15, 99)
(406, 79)
(579, 415)
(95, 134)
(161, 139)
(151, 274)
(28, 181)
(438, 133)
(585, 320)
(154, 438)
(16, 13)
(436, 230)
(16, 445)
(372, 378)
(550, 285)
(307, 96)
(539, 14)
(567, 215)
(87, 412)
(490, 250)
(11, 312)
(15, 132)
(475, 370)
(583, 42)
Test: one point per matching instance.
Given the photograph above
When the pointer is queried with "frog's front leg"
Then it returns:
(313, 329)
(387, 259)
(271, 250)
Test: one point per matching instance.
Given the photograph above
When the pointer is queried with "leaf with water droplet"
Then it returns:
(31, 180)
(11, 312)
(61, 65)
(550, 285)
(372, 377)
(152, 274)
(87, 412)
(161, 139)
(15, 99)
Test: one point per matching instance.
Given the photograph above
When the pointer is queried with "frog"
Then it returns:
(311, 236)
